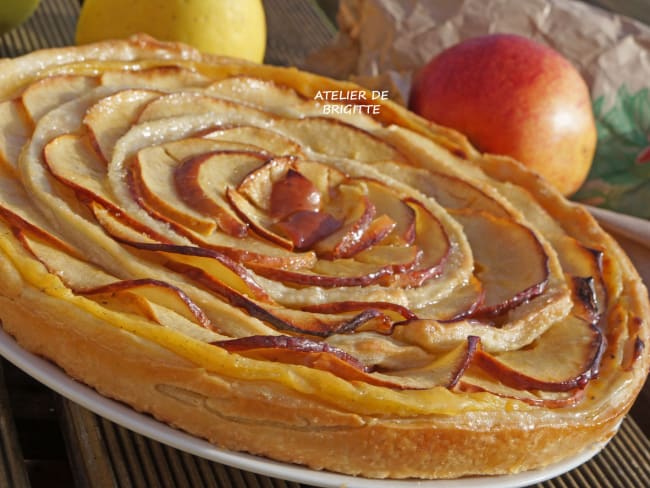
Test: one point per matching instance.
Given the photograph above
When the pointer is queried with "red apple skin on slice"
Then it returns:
(257, 220)
(201, 181)
(565, 357)
(305, 228)
(377, 230)
(369, 275)
(159, 292)
(304, 352)
(293, 193)
(432, 239)
(357, 211)
(472, 382)
(149, 178)
(74, 164)
(390, 204)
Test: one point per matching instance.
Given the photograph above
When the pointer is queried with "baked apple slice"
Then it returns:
(450, 191)
(194, 103)
(475, 381)
(282, 99)
(265, 139)
(431, 238)
(16, 129)
(298, 350)
(353, 207)
(565, 357)
(266, 93)
(510, 261)
(108, 119)
(202, 182)
(162, 77)
(336, 138)
(50, 92)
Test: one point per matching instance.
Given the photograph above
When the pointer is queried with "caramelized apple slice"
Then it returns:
(258, 221)
(323, 176)
(326, 323)
(317, 181)
(351, 205)
(155, 291)
(396, 312)
(202, 183)
(432, 239)
(329, 274)
(474, 381)
(312, 180)
(390, 313)
(305, 228)
(400, 258)
(72, 162)
(283, 205)
(376, 232)
(151, 179)
(240, 291)
(565, 357)
(120, 227)
(63, 261)
(582, 262)
(20, 213)
(292, 193)
(387, 202)
(220, 267)
(509, 260)
(195, 145)
(447, 369)
(304, 352)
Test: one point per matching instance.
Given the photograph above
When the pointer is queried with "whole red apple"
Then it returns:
(510, 95)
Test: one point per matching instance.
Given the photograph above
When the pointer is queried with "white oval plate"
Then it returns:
(53, 377)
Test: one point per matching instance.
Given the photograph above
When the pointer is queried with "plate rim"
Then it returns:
(55, 378)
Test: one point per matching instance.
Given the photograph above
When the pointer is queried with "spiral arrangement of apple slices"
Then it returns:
(219, 202)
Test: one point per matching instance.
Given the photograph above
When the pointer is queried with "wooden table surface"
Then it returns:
(49, 441)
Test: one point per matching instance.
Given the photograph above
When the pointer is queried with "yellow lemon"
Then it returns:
(225, 27)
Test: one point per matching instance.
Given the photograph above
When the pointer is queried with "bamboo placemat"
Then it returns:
(102, 454)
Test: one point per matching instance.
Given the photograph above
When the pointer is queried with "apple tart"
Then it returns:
(334, 283)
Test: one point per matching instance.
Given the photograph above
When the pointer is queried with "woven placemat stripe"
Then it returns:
(52, 25)
(12, 469)
(624, 462)
(292, 20)
(136, 461)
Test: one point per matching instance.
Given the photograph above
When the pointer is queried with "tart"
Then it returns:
(328, 281)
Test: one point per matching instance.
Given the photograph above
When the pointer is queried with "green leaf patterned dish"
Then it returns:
(619, 179)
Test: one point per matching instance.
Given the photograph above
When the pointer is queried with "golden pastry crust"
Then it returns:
(426, 378)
